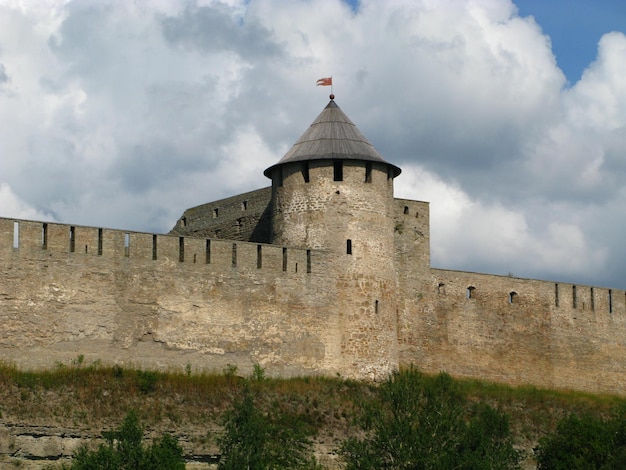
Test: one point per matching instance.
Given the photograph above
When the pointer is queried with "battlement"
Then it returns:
(27, 239)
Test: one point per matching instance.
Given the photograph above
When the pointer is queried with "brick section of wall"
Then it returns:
(245, 217)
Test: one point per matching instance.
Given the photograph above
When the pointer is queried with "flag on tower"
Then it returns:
(328, 81)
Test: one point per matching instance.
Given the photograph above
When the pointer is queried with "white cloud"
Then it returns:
(123, 114)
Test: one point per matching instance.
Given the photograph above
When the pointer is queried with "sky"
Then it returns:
(508, 117)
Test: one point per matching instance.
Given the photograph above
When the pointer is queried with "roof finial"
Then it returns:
(332, 96)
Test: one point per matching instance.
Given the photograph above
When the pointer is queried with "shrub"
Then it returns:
(254, 440)
(585, 442)
(123, 450)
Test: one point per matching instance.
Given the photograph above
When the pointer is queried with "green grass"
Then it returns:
(97, 397)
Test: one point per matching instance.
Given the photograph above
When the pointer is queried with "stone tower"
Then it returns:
(333, 191)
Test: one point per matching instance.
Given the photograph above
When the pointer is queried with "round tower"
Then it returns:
(334, 192)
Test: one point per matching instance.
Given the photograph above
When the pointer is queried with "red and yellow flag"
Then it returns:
(328, 81)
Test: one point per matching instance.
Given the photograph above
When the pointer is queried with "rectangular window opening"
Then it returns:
(305, 171)
(208, 252)
(574, 296)
(181, 249)
(234, 255)
(154, 247)
(44, 236)
(610, 301)
(194, 258)
(556, 295)
(259, 257)
(16, 234)
(244, 205)
(368, 172)
(337, 170)
(284, 259)
(72, 239)
(348, 247)
(99, 242)
(308, 261)
(216, 212)
(406, 209)
(593, 302)
(376, 306)
(127, 244)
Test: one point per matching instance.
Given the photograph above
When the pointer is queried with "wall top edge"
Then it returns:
(523, 279)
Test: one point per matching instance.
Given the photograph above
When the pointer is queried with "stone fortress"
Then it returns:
(324, 272)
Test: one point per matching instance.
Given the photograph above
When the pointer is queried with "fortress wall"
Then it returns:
(245, 305)
(520, 338)
(243, 217)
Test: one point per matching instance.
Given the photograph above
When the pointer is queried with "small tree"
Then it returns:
(123, 450)
(253, 440)
(422, 424)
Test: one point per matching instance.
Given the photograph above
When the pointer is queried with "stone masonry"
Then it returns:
(324, 272)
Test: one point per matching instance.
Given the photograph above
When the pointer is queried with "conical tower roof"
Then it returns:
(332, 136)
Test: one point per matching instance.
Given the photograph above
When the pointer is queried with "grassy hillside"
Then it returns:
(83, 400)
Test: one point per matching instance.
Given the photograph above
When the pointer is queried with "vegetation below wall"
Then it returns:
(341, 418)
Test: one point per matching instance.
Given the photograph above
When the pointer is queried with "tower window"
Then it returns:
(512, 297)
(574, 296)
(368, 172)
(348, 247)
(244, 205)
(305, 171)
(181, 249)
(216, 213)
(338, 170)
(406, 209)
(154, 247)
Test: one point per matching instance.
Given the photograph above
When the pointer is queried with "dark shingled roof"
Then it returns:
(332, 136)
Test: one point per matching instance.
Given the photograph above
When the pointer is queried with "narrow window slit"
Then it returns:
(44, 236)
(181, 249)
(259, 257)
(154, 247)
(72, 239)
(349, 247)
(284, 259)
(368, 172)
(127, 244)
(308, 261)
(305, 172)
(16, 234)
(207, 259)
(337, 170)
(100, 242)
(234, 255)
(556, 295)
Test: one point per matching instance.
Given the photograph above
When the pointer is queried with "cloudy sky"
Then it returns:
(509, 117)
